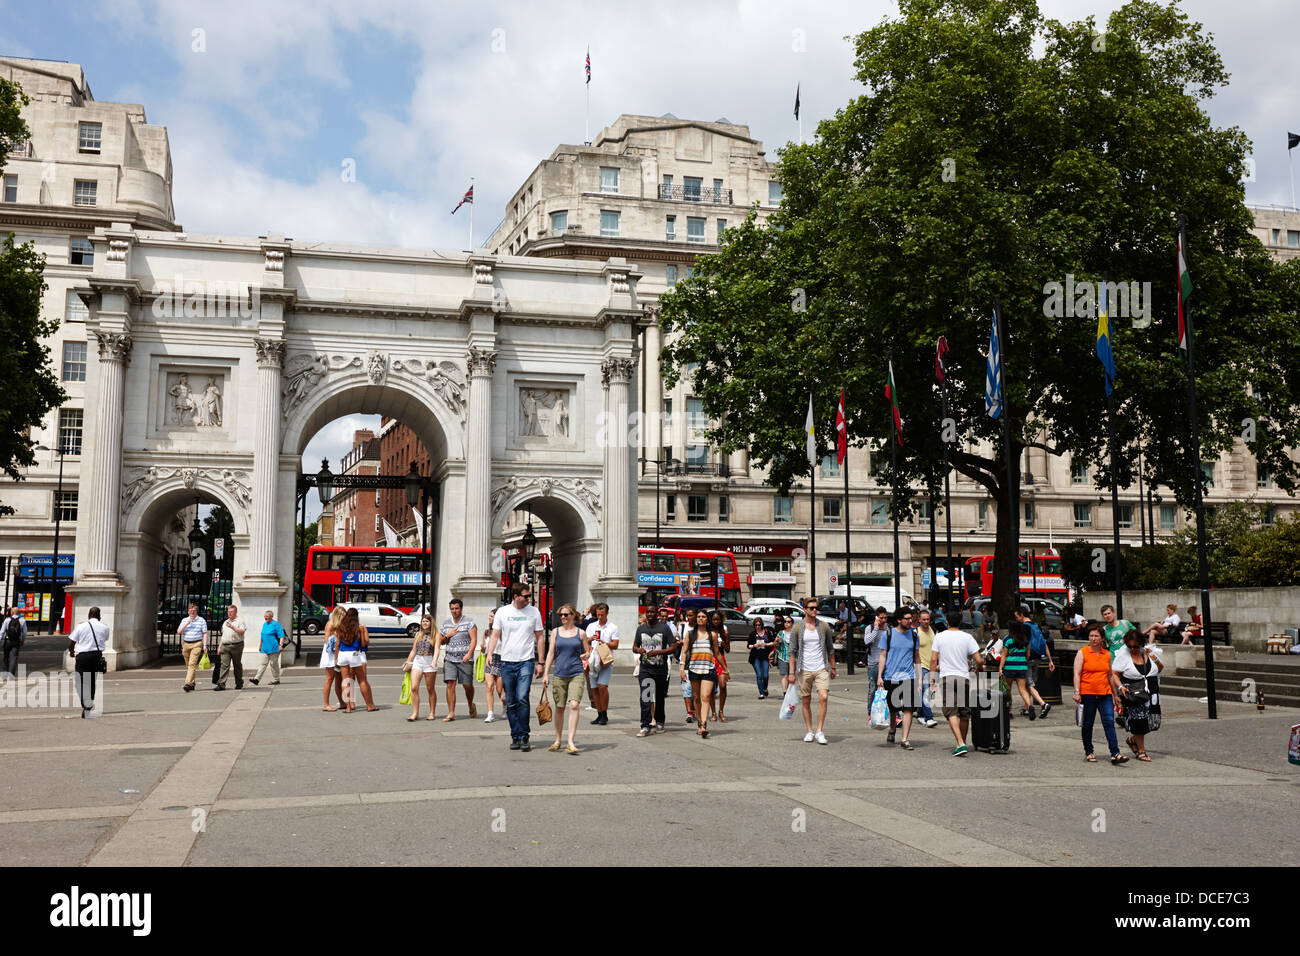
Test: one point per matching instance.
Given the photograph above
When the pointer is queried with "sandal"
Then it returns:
(1118, 759)
(410, 719)
(554, 748)
(705, 733)
(722, 717)
(449, 718)
(572, 750)
(1143, 757)
(1090, 758)
(1132, 746)
(473, 711)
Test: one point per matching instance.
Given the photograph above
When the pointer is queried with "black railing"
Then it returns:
(714, 195)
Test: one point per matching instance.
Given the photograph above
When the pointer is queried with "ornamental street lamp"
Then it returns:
(325, 482)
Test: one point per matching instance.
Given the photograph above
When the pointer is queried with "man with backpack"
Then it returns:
(900, 659)
(14, 630)
(1038, 651)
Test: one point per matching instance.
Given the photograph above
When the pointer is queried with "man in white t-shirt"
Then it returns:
(950, 659)
(812, 658)
(87, 643)
(602, 631)
(1161, 628)
(517, 637)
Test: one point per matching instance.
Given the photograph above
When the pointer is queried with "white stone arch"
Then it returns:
(574, 529)
(168, 495)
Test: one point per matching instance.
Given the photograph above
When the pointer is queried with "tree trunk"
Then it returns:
(1006, 552)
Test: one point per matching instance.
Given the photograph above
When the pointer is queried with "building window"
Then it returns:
(1125, 517)
(692, 188)
(80, 252)
(377, 528)
(666, 190)
(1082, 515)
(880, 512)
(782, 509)
(774, 193)
(695, 418)
(74, 310)
(1207, 473)
(984, 516)
(830, 467)
(1079, 472)
(1167, 517)
(724, 508)
(70, 422)
(1029, 514)
(84, 192)
(609, 179)
(670, 508)
(74, 361)
(670, 275)
(1293, 239)
(1266, 515)
(772, 566)
(559, 222)
(831, 510)
(694, 229)
(690, 271)
(697, 507)
(65, 505)
(1263, 477)
(697, 457)
(722, 227)
(89, 136)
(924, 514)
(670, 228)
(717, 190)
(11, 188)
(608, 223)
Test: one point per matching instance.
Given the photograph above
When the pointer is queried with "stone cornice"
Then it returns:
(128, 287)
(75, 221)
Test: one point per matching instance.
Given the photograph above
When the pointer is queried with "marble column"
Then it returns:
(478, 464)
(266, 458)
(104, 507)
(654, 400)
(619, 532)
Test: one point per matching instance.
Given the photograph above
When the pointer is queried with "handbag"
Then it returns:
(404, 699)
(1137, 692)
(543, 709)
(103, 662)
(604, 653)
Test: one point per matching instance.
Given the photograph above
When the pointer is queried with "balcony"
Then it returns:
(704, 194)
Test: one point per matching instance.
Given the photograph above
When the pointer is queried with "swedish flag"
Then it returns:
(1104, 354)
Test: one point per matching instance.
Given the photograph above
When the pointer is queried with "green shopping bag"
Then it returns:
(480, 668)
(405, 698)
(204, 663)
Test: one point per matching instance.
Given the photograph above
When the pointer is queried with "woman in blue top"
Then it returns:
(900, 655)
(1015, 665)
(353, 639)
(568, 658)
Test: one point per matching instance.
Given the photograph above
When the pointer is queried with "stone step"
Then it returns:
(1238, 674)
(1274, 695)
(1253, 667)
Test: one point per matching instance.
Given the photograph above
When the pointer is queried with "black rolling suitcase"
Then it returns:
(991, 720)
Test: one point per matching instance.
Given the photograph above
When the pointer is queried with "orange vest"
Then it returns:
(1095, 675)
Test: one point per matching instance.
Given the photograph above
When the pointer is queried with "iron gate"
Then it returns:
(179, 586)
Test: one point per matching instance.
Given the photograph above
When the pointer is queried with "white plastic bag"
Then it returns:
(789, 703)
(879, 710)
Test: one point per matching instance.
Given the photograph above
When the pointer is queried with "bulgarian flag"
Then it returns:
(1184, 290)
(891, 393)
(841, 432)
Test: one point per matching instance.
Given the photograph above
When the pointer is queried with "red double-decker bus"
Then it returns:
(664, 572)
(338, 574)
(1042, 579)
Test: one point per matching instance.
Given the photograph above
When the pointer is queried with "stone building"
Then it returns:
(356, 511)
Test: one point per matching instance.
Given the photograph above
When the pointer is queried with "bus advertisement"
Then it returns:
(664, 572)
(337, 575)
(1042, 578)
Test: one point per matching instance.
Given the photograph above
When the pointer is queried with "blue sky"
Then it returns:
(265, 102)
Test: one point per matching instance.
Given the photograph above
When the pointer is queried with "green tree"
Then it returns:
(304, 537)
(976, 166)
(30, 386)
(1271, 556)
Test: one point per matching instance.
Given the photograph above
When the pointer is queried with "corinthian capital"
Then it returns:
(270, 352)
(616, 371)
(114, 346)
(481, 362)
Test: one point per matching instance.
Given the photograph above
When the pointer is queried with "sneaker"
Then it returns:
(907, 745)
(690, 718)
(1024, 712)
(525, 746)
(1045, 710)
(489, 718)
(809, 737)
(254, 681)
(931, 722)
(218, 687)
(274, 682)
(643, 732)
(820, 738)
(659, 728)
(239, 687)
(1032, 715)
(514, 743)
(959, 751)
(589, 707)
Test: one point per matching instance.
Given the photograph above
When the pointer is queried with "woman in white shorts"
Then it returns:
(353, 639)
(421, 662)
(329, 658)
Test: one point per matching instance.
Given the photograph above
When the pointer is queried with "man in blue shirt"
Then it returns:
(194, 635)
(900, 653)
(272, 642)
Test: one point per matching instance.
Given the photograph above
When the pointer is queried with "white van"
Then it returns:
(874, 594)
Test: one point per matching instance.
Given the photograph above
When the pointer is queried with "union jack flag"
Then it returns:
(588, 64)
(467, 198)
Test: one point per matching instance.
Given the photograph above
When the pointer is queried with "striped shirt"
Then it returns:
(701, 654)
(1016, 656)
(195, 630)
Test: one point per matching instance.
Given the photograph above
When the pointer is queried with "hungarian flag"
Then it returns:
(940, 350)
(1184, 290)
(841, 432)
(467, 198)
(891, 393)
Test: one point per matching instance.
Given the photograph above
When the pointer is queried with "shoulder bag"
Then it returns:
(543, 709)
(103, 664)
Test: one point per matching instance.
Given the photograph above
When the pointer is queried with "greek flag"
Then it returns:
(993, 375)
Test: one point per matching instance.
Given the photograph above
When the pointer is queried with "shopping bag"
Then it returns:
(480, 668)
(1293, 752)
(879, 710)
(789, 703)
(204, 663)
(1078, 715)
(404, 699)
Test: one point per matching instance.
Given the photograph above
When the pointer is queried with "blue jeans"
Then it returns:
(516, 685)
(1092, 703)
(761, 669)
(924, 710)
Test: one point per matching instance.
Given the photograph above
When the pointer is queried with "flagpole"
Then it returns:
(1201, 559)
(1291, 165)
(848, 552)
(1006, 436)
(471, 216)
(1142, 512)
(1114, 484)
(893, 490)
(812, 531)
(947, 495)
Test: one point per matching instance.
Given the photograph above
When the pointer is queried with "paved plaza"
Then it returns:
(264, 777)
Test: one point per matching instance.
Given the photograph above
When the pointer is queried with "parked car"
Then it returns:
(1051, 614)
(384, 619)
(311, 615)
(767, 608)
(176, 607)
